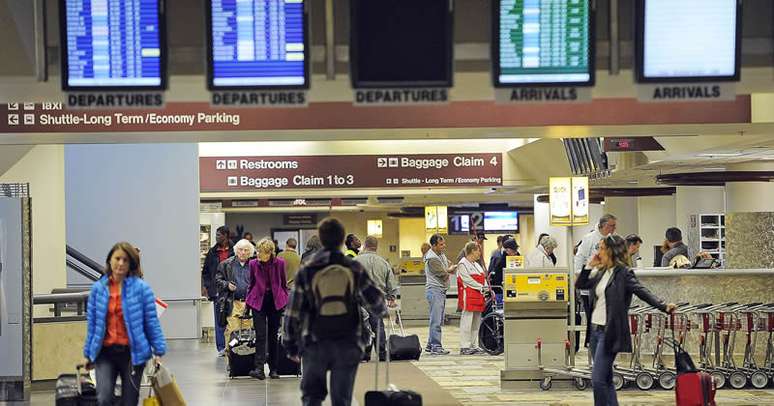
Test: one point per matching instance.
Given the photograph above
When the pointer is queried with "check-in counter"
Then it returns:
(415, 310)
(709, 285)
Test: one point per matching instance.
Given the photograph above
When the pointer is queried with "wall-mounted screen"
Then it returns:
(539, 42)
(257, 44)
(112, 44)
(501, 221)
(688, 40)
(401, 43)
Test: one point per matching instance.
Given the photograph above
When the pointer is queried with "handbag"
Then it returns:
(151, 400)
(166, 388)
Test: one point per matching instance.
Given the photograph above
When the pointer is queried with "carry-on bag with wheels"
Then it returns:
(284, 365)
(402, 347)
(75, 389)
(692, 387)
(391, 396)
(240, 350)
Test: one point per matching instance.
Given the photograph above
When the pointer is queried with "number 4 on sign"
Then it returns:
(493, 161)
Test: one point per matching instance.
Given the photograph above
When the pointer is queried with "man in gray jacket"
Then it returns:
(380, 272)
(437, 273)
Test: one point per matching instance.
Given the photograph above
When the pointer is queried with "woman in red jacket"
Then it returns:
(267, 297)
(471, 285)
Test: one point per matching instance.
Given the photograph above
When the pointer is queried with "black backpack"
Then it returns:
(337, 313)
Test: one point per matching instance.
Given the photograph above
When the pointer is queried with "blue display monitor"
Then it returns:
(254, 44)
(501, 221)
(113, 44)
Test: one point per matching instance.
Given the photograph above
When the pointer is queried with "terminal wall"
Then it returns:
(43, 168)
(147, 195)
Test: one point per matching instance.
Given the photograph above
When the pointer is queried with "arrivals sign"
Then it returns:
(569, 201)
(227, 174)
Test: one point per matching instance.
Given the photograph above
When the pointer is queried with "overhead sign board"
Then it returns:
(226, 174)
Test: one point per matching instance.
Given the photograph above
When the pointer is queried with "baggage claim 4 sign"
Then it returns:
(227, 174)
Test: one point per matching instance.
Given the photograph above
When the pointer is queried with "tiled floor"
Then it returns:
(473, 380)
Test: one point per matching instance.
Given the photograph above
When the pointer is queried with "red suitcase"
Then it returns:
(692, 387)
(695, 389)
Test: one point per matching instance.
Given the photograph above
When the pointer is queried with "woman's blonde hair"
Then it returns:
(470, 247)
(266, 246)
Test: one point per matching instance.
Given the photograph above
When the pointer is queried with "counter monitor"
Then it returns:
(501, 221)
(543, 43)
(112, 44)
(688, 40)
(256, 44)
(401, 43)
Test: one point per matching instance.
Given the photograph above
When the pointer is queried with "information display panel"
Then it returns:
(257, 44)
(688, 40)
(501, 221)
(543, 43)
(112, 44)
(401, 43)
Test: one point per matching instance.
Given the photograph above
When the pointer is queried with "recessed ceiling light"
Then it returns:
(714, 169)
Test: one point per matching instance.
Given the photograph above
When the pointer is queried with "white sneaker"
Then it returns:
(222, 353)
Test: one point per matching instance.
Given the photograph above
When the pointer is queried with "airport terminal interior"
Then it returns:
(527, 141)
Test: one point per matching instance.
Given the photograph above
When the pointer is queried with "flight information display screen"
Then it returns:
(257, 44)
(688, 40)
(543, 42)
(112, 44)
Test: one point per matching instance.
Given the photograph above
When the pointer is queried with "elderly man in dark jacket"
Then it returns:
(221, 251)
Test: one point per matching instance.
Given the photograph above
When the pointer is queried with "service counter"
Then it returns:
(413, 303)
(709, 285)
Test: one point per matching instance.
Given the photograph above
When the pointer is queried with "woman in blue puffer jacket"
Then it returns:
(123, 328)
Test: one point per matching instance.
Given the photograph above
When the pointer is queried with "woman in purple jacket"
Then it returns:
(267, 296)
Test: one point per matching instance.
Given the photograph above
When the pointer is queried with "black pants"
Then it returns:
(377, 327)
(112, 362)
(266, 323)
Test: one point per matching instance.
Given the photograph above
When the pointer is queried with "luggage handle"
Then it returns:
(399, 321)
(378, 362)
(78, 368)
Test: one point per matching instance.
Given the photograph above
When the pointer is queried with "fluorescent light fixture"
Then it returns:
(720, 154)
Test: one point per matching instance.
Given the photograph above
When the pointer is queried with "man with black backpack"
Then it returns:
(323, 324)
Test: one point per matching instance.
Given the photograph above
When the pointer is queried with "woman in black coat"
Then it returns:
(611, 285)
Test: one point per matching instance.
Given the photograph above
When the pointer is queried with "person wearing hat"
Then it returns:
(479, 239)
(510, 248)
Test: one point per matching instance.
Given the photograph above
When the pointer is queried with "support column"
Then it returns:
(750, 221)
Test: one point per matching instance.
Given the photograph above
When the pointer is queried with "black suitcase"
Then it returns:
(283, 364)
(240, 352)
(75, 390)
(392, 396)
(403, 347)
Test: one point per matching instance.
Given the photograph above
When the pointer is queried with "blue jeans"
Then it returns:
(602, 371)
(220, 339)
(112, 362)
(342, 358)
(436, 298)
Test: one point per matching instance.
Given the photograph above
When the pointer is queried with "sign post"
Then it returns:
(569, 206)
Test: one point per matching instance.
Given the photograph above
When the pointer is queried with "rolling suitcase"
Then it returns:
(75, 389)
(402, 347)
(283, 364)
(692, 387)
(240, 351)
(391, 396)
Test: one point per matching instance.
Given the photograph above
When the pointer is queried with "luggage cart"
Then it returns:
(581, 376)
(754, 321)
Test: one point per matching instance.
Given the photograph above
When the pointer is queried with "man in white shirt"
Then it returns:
(590, 243)
(588, 247)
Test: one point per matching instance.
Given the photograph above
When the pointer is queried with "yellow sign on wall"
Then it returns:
(375, 228)
(569, 201)
(436, 220)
